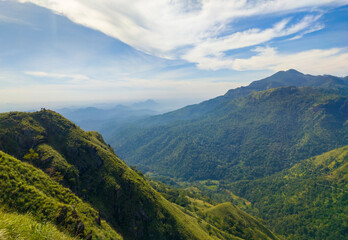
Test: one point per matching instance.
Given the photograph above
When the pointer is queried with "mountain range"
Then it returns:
(248, 133)
(269, 157)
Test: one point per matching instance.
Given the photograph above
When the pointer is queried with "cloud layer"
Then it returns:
(200, 32)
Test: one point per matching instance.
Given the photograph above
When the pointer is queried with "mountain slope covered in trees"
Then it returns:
(244, 138)
(307, 201)
(84, 163)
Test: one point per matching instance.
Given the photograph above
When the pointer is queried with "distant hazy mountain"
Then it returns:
(244, 134)
(96, 119)
(148, 104)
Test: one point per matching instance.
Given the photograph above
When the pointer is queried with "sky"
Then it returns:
(56, 53)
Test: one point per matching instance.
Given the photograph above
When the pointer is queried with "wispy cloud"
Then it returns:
(330, 61)
(7, 19)
(57, 75)
(162, 27)
(209, 53)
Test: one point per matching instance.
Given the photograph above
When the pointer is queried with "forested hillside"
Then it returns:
(307, 201)
(265, 147)
(245, 138)
(87, 167)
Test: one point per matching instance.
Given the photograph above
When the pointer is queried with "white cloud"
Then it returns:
(331, 61)
(208, 53)
(161, 26)
(58, 75)
(201, 31)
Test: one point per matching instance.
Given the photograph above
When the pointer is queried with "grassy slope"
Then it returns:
(308, 201)
(84, 163)
(15, 226)
(245, 138)
(27, 189)
(232, 220)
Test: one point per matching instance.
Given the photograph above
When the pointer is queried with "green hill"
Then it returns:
(234, 221)
(224, 220)
(307, 201)
(245, 138)
(86, 166)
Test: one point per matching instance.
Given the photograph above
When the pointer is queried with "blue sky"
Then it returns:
(79, 52)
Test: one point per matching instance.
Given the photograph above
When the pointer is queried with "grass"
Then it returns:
(15, 226)
(26, 189)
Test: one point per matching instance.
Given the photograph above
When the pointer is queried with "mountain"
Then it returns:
(92, 118)
(243, 138)
(279, 79)
(148, 104)
(307, 201)
(290, 78)
(265, 147)
(71, 178)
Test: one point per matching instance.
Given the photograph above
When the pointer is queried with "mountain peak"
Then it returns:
(283, 75)
(294, 71)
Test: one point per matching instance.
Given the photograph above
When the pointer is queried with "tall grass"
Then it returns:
(24, 227)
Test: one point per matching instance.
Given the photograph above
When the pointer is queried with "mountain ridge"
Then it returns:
(279, 79)
(259, 134)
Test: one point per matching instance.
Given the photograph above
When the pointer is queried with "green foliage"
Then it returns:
(224, 221)
(88, 166)
(31, 156)
(307, 201)
(16, 226)
(245, 138)
(234, 221)
(26, 189)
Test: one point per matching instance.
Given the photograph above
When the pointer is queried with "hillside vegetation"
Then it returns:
(307, 201)
(86, 166)
(226, 221)
(25, 189)
(15, 226)
(245, 138)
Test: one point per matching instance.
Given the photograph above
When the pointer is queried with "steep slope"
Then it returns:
(232, 220)
(27, 189)
(16, 226)
(244, 138)
(307, 201)
(84, 163)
